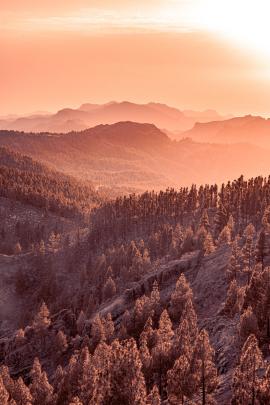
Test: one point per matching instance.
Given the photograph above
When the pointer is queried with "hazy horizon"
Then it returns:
(192, 55)
(44, 111)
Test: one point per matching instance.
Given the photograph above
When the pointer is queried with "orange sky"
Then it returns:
(63, 53)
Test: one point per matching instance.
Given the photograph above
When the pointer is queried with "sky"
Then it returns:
(195, 54)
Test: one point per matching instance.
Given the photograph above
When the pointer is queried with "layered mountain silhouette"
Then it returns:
(249, 129)
(137, 155)
(89, 115)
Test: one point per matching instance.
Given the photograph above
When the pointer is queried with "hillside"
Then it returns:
(23, 179)
(248, 129)
(138, 156)
(89, 115)
(161, 281)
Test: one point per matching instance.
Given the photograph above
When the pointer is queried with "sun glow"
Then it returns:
(244, 22)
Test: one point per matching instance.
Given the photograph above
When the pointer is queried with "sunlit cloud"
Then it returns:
(244, 22)
(160, 18)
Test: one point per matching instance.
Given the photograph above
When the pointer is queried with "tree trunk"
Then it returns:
(253, 383)
(203, 386)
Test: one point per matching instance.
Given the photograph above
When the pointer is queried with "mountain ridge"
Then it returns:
(248, 129)
(139, 156)
(90, 115)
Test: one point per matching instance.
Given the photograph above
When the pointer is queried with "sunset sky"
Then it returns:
(188, 53)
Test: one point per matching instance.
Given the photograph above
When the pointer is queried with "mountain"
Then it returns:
(248, 129)
(89, 115)
(138, 156)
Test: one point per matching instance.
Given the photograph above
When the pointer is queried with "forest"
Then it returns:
(134, 202)
(152, 298)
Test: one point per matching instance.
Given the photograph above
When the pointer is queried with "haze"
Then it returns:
(63, 53)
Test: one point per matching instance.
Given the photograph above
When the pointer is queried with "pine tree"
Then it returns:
(148, 334)
(40, 388)
(109, 289)
(125, 324)
(42, 319)
(136, 267)
(8, 382)
(224, 237)
(84, 376)
(4, 396)
(100, 388)
(264, 389)
(190, 316)
(261, 248)
(165, 331)
(178, 381)
(81, 322)
(221, 219)
(201, 236)
(204, 221)
(182, 345)
(58, 379)
(204, 372)
(61, 342)
(245, 380)
(248, 250)
(208, 245)
(186, 333)
(231, 223)
(20, 337)
(21, 393)
(179, 297)
(108, 326)
(142, 311)
(234, 267)
(127, 381)
(162, 352)
(263, 307)
(178, 238)
(146, 261)
(97, 332)
(255, 289)
(69, 386)
(266, 218)
(146, 359)
(232, 304)
(109, 273)
(155, 301)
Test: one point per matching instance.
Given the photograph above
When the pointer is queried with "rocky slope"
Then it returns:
(207, 277)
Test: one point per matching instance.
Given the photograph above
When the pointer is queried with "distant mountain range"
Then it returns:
(140, 156)
(248, 129)
(90, 115)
